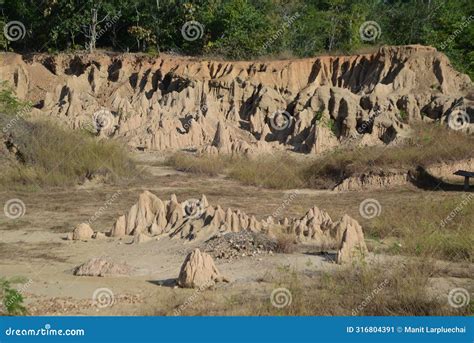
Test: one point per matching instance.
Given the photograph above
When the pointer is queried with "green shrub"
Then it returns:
(12, 299)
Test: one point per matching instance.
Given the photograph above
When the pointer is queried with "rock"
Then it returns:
(140, 238)
(99, 235)
(198, 271)
(331, 99)
(120, 227)
(352, 247)
(82, 232)
(102, 266)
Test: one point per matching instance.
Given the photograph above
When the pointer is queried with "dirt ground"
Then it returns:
(33, 247)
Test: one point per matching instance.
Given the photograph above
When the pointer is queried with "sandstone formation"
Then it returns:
(173, 102)
(352, 247)
(199, 271)
(382, 179)
(197, 219)
(102, 267)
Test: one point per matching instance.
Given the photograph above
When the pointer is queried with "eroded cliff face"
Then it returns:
(308, 105)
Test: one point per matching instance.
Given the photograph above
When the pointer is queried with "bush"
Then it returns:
(285, 244)
(12, 299)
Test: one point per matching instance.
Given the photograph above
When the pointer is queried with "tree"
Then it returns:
(90, 31)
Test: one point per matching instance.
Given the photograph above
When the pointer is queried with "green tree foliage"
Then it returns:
(244, 29)
(12, 300)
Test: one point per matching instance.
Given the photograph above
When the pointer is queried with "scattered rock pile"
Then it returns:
(102, 266)
(234, 245)
(199, 271)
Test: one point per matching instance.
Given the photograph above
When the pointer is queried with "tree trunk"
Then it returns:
(93, 31)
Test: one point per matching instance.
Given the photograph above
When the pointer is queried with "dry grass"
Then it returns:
(439, 227)
(377, 290)
(270, 171)
(285, 243)
(202, 165)
(50, 155)
(41, 153)
(279, 172)
(429, 144)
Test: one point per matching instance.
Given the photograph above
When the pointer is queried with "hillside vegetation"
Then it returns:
(244, 29)
(37, 153)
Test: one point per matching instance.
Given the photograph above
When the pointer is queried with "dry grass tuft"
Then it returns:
(201, 165)
(362, 290)
(285, 244)
(49, 155)
(429, 144)
(432, 227)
